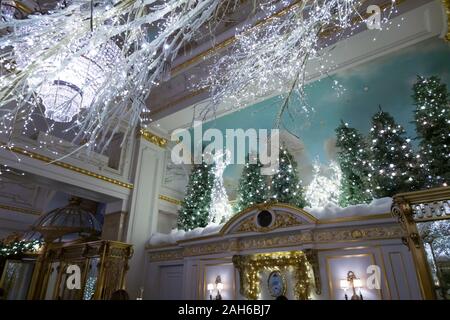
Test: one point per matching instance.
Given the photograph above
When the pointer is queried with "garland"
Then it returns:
(19, 247)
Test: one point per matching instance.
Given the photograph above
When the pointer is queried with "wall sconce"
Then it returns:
(218, 286)
(352, 282)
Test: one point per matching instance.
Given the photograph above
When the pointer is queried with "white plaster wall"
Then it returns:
(166, 221)
(143, 213)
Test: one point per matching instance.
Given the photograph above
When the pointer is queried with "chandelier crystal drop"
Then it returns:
(65, 91)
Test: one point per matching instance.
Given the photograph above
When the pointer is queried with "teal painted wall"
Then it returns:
(385, 81)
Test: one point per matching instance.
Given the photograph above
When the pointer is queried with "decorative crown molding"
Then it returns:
(40, 157)
(21, 210)
(170, 200)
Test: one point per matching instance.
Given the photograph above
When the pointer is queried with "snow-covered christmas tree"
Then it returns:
(324, 188)
(220, 209)
(252, 187)
(395, 166)
(286, 187)
(194, 211)
(432, 117)
(353, 159)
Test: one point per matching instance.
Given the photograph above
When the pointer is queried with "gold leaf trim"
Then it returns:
(250, 268)
(153, 138)
(21, 210)
(170, 200)
(159, 253)
(446, 4)
(282, 220)
(37, 156)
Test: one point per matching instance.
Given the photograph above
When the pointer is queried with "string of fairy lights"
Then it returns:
(286, 52)
(87, 67)
(20, 247)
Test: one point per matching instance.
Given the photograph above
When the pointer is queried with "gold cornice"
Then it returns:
(446, 4)
(266, 206)
(356, 218)
(21, 210)
(170, 200)
(422, 196)
(153, 138)
(37, 156)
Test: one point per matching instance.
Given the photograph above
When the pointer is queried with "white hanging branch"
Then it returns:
(138, 41)
(37, 50)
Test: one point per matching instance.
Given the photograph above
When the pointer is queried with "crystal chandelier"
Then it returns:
(65, 91)
(75, 87)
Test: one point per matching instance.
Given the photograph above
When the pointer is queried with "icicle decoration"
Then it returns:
(272, 58)
(37, 53)
(150, 34)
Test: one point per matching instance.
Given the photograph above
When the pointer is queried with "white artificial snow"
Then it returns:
(177, 235)
(331, 211)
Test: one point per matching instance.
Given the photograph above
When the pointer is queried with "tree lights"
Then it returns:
(286, 186)
(194, 211)
(353, 159)
(252, 187)
(432, 117)
(324, 189)
(395, 167)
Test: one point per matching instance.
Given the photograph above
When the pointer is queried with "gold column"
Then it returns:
(446, 4)
(402, 210)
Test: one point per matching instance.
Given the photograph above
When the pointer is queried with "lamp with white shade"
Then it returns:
(352, 283)
(218, 286)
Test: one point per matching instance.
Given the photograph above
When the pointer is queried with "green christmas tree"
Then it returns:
(252, 186)
(353, 158)
(286, 187)
(432, 117)
(194, 211)
(395, 166)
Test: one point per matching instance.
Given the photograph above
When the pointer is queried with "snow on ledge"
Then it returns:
(177, 235)
(329, 211)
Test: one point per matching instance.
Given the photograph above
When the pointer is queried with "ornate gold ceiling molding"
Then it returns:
(153, 138)
(37, 156)
(446, 4)
(170, 200)
(21, 210)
